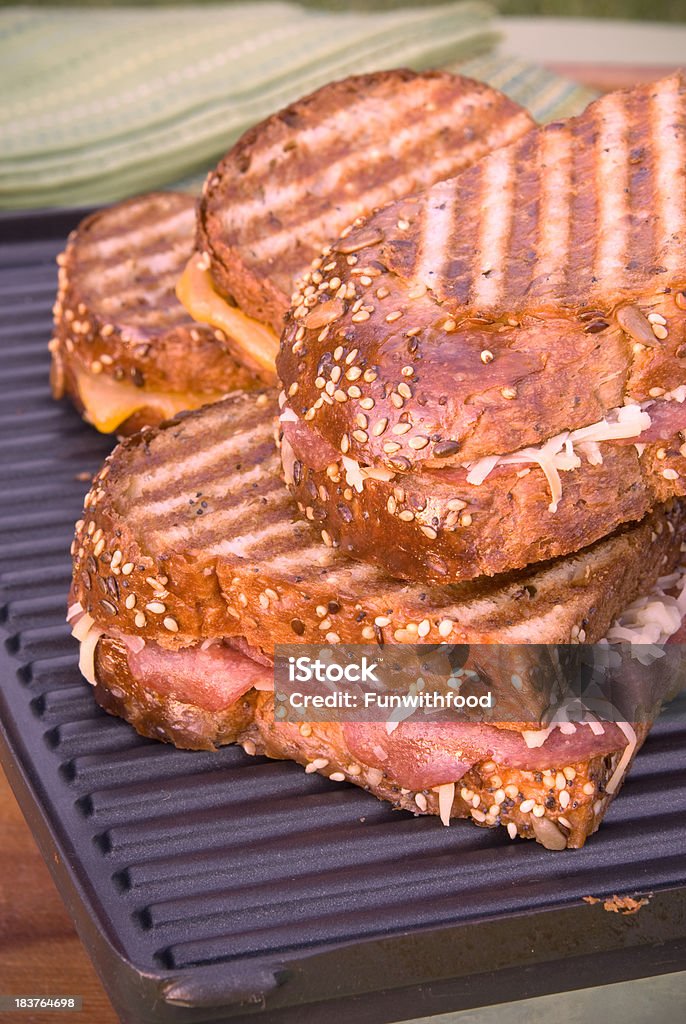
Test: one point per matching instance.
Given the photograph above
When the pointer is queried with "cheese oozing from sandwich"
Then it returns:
(108, 403)
(254, 343)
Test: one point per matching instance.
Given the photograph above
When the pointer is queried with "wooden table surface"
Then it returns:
(40, 952)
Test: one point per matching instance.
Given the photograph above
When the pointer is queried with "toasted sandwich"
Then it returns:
(124, 349)
(190, 564)
(296, 180)
(493, 371)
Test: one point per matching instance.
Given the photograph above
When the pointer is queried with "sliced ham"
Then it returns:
(212, 679)
(423, 755)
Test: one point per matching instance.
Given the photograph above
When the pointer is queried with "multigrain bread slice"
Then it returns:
(297, 179)
(189, 534)
(479, 326)
(124, 349)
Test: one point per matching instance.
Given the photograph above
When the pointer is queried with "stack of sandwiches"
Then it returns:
(478, 434)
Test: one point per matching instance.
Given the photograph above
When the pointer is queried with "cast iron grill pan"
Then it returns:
(224, 887)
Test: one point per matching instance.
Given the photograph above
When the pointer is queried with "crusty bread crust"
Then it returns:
(298, 178)
(160, 716)
(117, 317)
(490, 794)
(188, 533)
(446, 530)
(581, 308)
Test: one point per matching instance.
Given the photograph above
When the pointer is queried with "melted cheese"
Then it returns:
(87, 654)
(557, 454)
(82, 626)
(108, 403)
(648, 622)
(624, 760)
(258, 345)
(654, 617)
(446, 796)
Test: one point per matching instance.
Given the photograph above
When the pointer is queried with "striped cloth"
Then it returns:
(98, 104)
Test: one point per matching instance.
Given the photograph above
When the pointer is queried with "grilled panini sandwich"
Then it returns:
(190, 564)
(296, 180)
(125, 351)
(495, 369)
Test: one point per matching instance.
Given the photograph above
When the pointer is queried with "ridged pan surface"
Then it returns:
(214, 886)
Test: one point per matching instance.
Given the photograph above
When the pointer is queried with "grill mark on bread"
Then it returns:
(667, 117)
(138, 290)
(520, 237)
(339, 164)
(114, 243)
(298, 549)
(588, 223)
(464, 241)
(495, 229)
(385, 99)
(231, 515)
(165, 511)
(161, 273)
(342, 167)
(612, 184)
(162, 315)
(134, 286)
(576, 262)
(249, 545)
(554, 210)
(199, 464)
(335, 125)
(435, 227)
(170, 503)
(388, 184)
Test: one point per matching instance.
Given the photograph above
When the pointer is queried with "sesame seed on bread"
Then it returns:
(446, 529)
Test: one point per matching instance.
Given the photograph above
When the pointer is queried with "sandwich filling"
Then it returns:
(256, 344)
(108, 403)
(639, 424)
